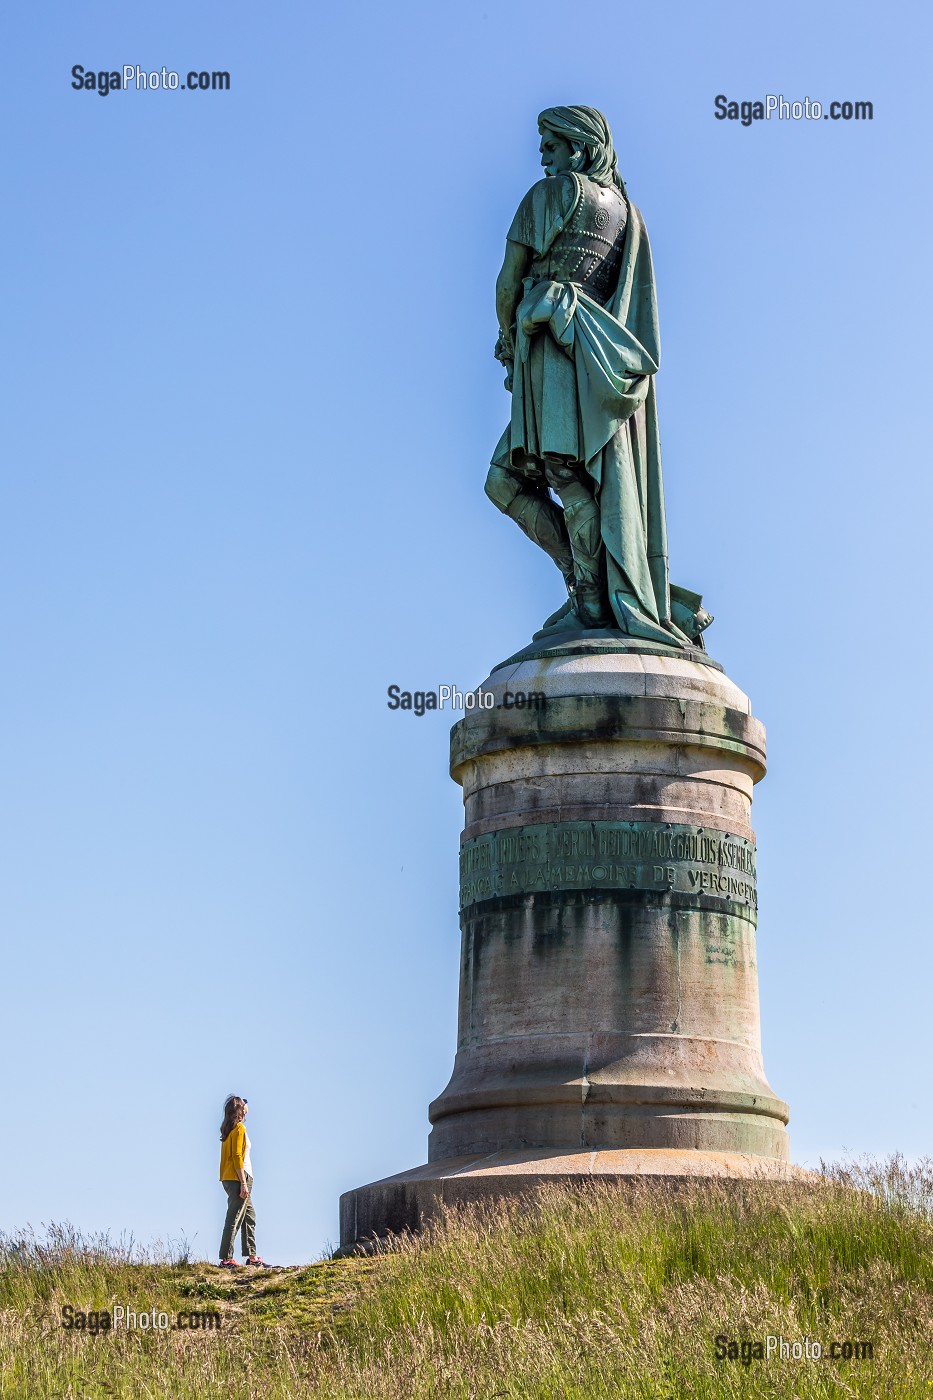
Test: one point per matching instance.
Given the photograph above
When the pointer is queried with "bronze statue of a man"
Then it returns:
(578, 333)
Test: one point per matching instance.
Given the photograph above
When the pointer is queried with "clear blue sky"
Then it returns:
(250, 404)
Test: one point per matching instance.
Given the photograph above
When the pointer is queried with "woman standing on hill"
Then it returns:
(236, 1177)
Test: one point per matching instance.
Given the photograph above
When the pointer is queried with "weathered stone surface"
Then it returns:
(570, 670)
(608, 989)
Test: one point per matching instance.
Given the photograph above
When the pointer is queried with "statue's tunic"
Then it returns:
(586, 351)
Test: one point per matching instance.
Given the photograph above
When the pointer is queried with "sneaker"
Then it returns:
(257, 1263)
(229, 1264)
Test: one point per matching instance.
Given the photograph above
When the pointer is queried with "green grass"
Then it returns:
(580, 1294)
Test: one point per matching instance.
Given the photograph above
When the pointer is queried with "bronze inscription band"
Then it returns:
(660, 856)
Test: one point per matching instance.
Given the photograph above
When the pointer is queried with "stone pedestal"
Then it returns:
(609, 1020)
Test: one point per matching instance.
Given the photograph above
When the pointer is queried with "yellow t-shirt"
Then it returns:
(233, 1153)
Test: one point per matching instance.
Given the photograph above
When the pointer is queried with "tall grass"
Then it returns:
(33, 1269)
(579, 1293)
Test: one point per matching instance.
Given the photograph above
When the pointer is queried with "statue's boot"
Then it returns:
(563, 620)
(581, 517)
(536, 514)
(589, 605)
(589, 601)
(543, 522)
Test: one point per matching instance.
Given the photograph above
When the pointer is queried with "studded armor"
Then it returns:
(588, 249)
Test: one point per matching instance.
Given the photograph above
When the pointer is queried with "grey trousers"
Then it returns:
(240, 1216)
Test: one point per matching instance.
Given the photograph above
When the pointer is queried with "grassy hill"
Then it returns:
(582, 1294)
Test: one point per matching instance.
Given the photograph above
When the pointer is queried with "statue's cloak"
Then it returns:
(583, 389)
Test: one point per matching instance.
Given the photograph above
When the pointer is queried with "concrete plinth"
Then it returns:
(609, 1019)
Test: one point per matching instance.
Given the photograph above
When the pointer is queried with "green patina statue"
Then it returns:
(578, 335)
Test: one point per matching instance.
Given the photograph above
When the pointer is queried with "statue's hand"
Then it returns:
(505, 354)
(505, 349)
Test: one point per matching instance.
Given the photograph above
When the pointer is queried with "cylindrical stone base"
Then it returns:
(608, 987)
(405, 1202)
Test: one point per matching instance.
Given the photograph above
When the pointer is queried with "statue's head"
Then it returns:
(578, 139)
